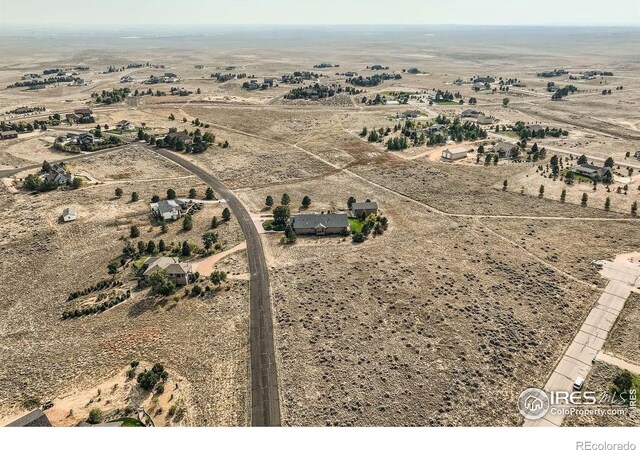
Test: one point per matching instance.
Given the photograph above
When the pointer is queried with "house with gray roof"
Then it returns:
(590, 171)
(320, 224)
(504, 149)
(11, 134)
(363, 210)
(168, 209)
(59, 174)
(35, 418)
(180, 273)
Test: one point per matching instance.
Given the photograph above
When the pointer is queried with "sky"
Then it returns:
(309, 12)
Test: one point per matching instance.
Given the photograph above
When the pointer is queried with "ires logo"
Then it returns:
(561, 398)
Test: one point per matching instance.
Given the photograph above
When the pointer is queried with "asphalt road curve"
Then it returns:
(265, 402)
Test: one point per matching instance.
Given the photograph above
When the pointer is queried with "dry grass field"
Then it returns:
(470, 296)
(623, 341)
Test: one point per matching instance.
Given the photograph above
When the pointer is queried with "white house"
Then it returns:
(454, 155)
(124, 125)
(168, 209)
(69, 214)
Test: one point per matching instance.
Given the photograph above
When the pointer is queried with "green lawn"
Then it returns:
(129, 422)
(138, 262)
(267, 225)
(355, 224)
(449, 102)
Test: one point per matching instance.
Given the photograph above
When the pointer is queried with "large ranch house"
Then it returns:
(178, 272)
(320, 224)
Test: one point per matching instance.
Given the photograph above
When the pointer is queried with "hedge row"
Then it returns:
(100, 285)
(96, 308)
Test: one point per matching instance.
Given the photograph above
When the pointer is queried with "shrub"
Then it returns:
(95, 416)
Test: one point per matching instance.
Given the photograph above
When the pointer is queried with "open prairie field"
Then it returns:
(472, 294)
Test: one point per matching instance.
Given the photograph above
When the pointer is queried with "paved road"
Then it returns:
(265, 402)
(577, 360)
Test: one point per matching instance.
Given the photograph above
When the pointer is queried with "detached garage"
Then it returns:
(69, 214)
(453, 155)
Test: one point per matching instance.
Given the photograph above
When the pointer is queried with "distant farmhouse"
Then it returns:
(592, 172)
(179, 273)
(126, 79)
(124, 125)
(320, 224)
(59, 174)
(168, 209)
(504, 149)
(363, 210)
(179, 135)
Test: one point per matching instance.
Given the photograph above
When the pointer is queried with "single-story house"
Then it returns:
(180, 135)
(364, 209)
(35, 418)
(436, 127)
(126, 79)
(168, 209)
(124, 125)
(11, 134)
(72, 117)
(504, 149)
(471, 114)
(454, 155)
(179, 273)
(320, 224)
(83, 112)
(591, 171)
(69, 214)
(484, 120)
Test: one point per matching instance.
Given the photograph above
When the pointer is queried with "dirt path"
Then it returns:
(615, 361)
(205, 266)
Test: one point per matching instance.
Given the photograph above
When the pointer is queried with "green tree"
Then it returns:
(163, 227)
(171, 194)
(148, 379)
(193, 193)
(226, 214)
(187, 223)
(541, 191)
(95, 416)
(160, 283)
(607, 204)
(505, 102)
(285, 200)
(505, 183)
(155, 198)
(306, 201)
(186, 249)
(281, 216)
(151, 247)
(585, 199)
(268, 201)
(162, 246)
(134, 196)
(290, 235)
(112, 267)
(351, 201)
(563, 195)
(214, 222)
(209, 238)
(634, 209)
(623, 381)
(609, 162)
(119, 192)
(76, 183)
(582, 160)
(134, 232)
(218, 277)
(209, 194)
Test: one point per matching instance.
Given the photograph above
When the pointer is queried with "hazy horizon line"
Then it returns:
(316, 25)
